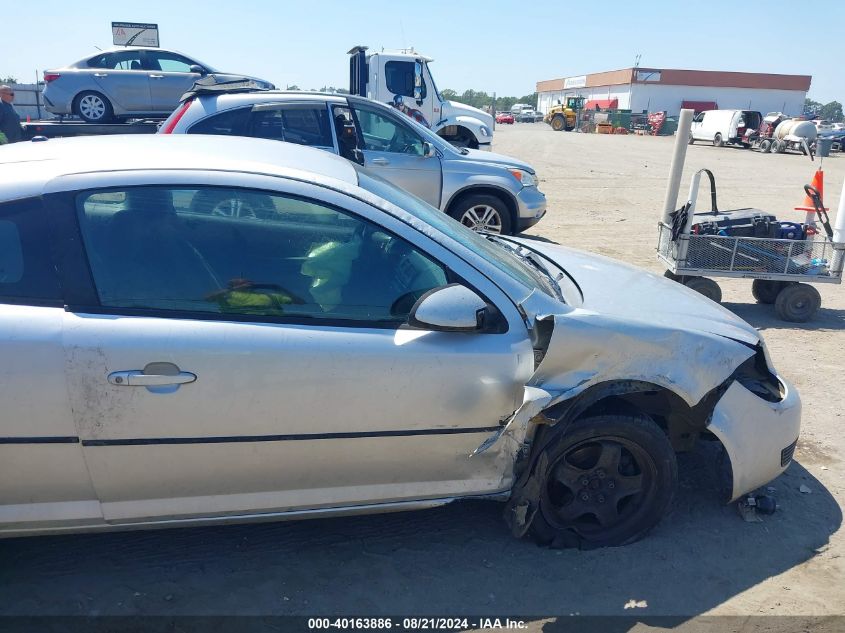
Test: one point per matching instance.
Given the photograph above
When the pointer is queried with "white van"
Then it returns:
(724, 126)
(518, 108)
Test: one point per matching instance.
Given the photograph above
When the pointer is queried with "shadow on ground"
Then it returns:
(458, 559)
(763, 317)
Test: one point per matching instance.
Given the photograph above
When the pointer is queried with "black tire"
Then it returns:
(472, 211)
(670, 275)
(610, 479)
(93, 107)
(233, 205)
(558, 123)
(718, 141)
(798, 303)
(766, 290)
(705, 286)
(765, 146)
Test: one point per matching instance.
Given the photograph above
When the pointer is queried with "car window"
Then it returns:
(27, 271)
(169, 62)
(242, 252)
(121, 60)
(399, 77)
(475, 242)
(384, 134)
(232, 122)
(303, 124)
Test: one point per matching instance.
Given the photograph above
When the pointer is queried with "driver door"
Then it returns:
(394, 151)
(237, 362)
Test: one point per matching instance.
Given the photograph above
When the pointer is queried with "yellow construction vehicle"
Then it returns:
(562, 117)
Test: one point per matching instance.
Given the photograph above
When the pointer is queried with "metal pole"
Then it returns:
(676, 168)
(37, 97)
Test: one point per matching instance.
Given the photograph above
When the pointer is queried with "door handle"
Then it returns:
(101, 74)
(380, 161)
(153, 375)
(156, 76)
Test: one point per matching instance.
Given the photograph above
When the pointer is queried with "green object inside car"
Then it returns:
(244, 297)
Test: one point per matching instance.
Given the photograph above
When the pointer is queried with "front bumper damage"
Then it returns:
(589, 351)
(759, 436)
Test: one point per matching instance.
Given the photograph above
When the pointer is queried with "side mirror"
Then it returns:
(196, 68)
(428, 150)
(452, 308)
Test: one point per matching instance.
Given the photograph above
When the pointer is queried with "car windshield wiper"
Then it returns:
(525, 255)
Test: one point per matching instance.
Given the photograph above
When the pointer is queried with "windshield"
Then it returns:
(502, 256)
(433, 85)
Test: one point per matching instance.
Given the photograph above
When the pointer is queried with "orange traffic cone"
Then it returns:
(818, 185)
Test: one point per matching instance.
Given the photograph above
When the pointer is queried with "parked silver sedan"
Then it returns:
(483, 190)
(346, 349)
(124, 82)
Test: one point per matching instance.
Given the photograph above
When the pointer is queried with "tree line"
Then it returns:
(480, 99)
(830, 111)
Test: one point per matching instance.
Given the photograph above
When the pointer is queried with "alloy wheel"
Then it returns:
(482, 217)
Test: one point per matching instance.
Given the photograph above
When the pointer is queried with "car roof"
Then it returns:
(27, 167)
(116, 49)
(259, 96)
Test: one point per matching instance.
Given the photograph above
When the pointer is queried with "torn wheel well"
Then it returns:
(678, 420)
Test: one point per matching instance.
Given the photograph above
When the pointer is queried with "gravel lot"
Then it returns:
(604, 194)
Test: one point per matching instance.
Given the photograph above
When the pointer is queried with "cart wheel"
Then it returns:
(705, 286)
(797, 303)
(766, 290)
(670, 275)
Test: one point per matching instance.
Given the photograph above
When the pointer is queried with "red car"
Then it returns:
(504, 117)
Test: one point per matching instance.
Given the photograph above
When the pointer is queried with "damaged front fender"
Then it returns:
(586, 348)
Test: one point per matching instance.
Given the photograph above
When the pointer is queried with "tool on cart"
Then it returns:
(821, 212)
(782, 258)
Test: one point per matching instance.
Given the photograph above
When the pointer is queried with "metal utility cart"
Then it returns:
(782, 269)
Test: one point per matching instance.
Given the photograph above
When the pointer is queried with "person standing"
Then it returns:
(10, 122)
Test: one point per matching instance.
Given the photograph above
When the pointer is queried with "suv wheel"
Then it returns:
(483, 212)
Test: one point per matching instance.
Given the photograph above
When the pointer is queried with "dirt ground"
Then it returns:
(604, 195)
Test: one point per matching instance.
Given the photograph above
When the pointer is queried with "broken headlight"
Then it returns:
(756, 376)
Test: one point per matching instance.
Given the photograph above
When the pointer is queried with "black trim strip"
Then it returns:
(284, 438)
(40, 440)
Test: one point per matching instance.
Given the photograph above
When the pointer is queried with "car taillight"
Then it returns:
(48, 77)
(167, 128)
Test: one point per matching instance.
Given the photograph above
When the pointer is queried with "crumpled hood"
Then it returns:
(617, 289)
(481, 156)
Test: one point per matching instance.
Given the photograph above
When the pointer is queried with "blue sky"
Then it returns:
(495, 46)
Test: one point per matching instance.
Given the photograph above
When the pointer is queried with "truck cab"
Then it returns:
(403, 80)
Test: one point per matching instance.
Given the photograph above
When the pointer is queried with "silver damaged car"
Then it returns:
(343, 348)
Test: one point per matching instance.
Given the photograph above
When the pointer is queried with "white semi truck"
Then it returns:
(403, 80)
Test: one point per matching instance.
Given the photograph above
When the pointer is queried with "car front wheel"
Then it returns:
(609, 480)
(483, 212)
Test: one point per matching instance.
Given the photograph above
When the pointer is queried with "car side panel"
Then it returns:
(43, 477)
